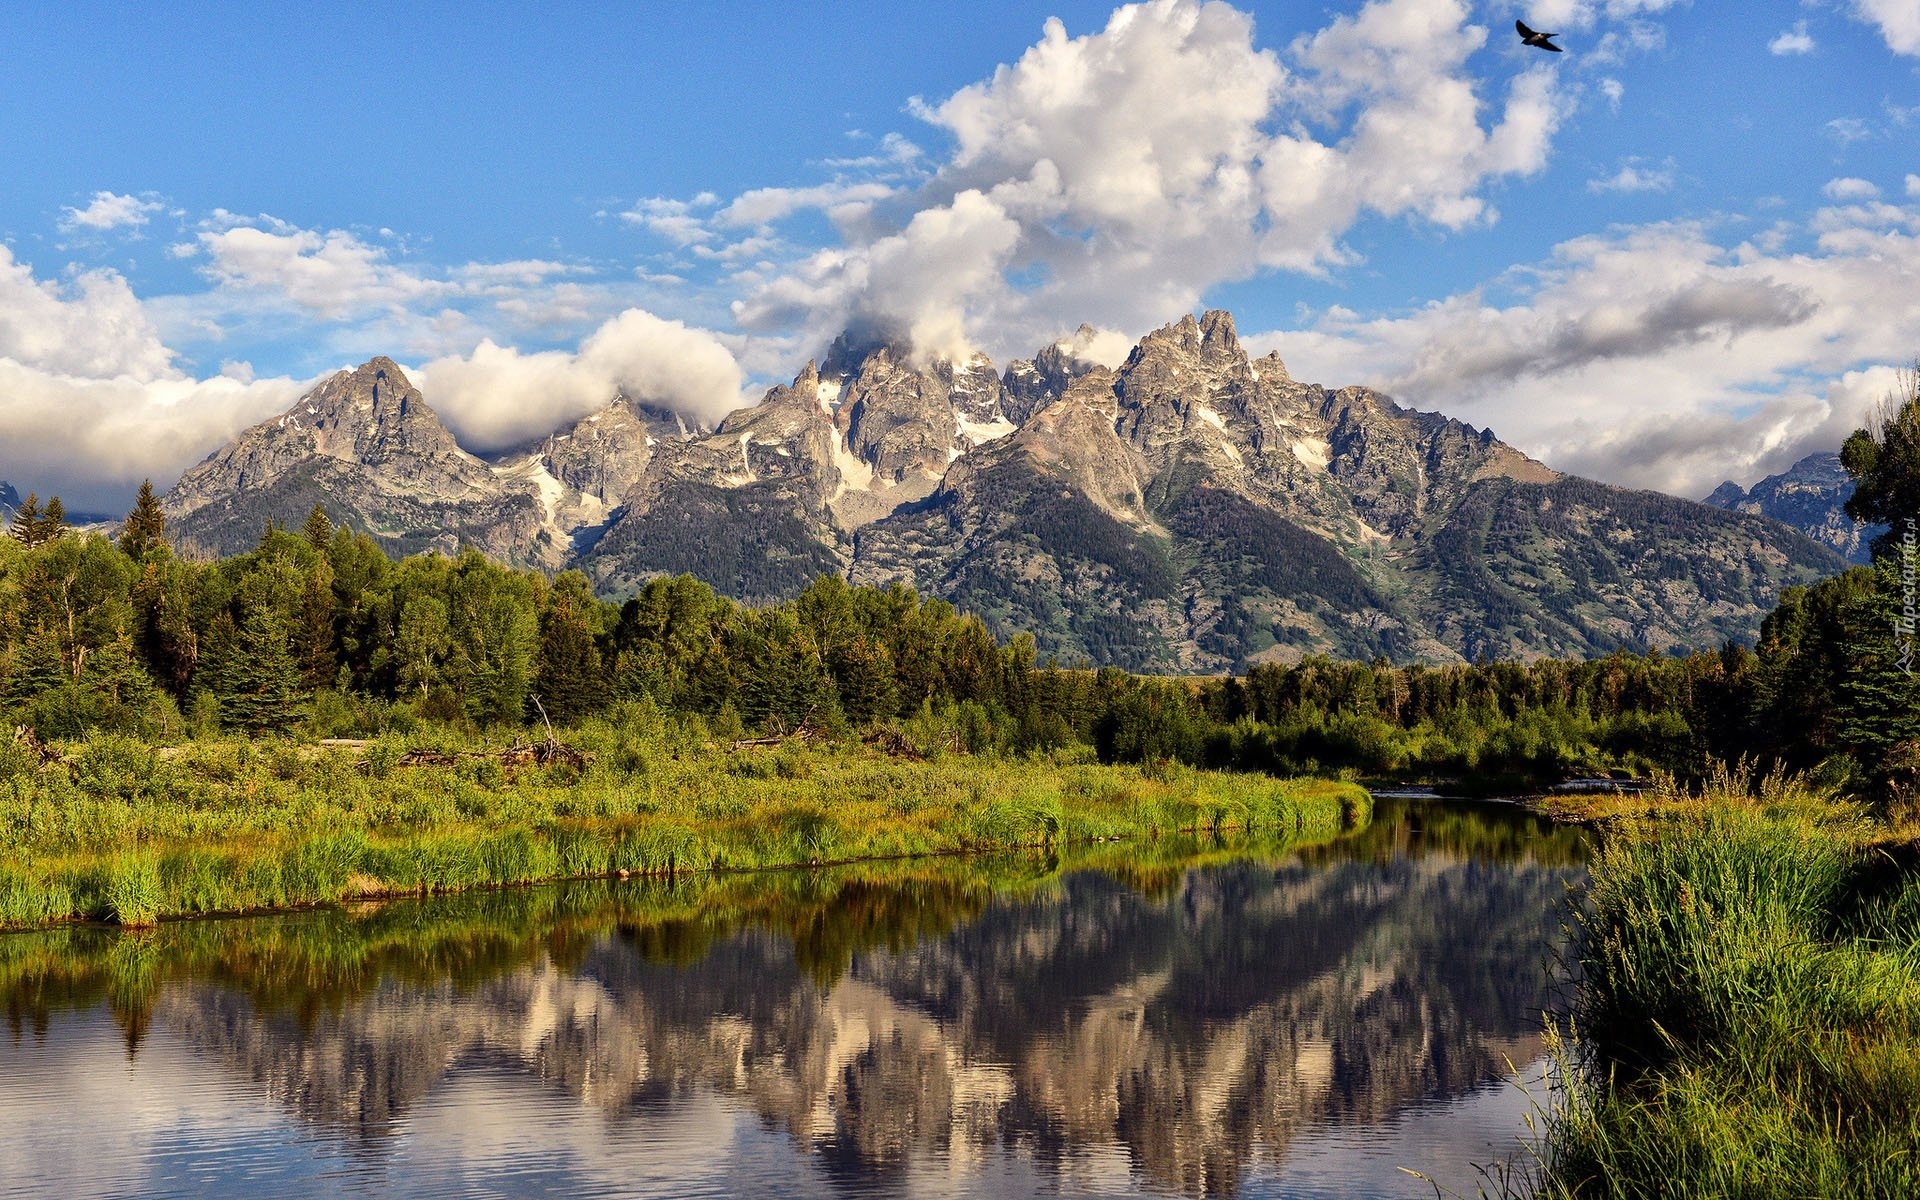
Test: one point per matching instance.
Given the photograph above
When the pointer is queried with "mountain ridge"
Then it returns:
(1194, 509)
(1811, 496)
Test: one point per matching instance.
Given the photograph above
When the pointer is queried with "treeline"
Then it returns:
(319, 633)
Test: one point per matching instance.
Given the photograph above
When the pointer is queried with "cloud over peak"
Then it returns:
(497, 396)
(1674, 356)
(1114, 177)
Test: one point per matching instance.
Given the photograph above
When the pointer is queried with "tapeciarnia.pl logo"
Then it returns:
(1904, 623)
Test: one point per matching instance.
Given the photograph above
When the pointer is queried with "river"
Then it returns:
(1187, 1021)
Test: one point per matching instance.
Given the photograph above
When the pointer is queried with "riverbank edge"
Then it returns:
(1746, 1017)
(1009, 806)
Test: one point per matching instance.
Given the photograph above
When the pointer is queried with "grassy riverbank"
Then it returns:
(116, 829)
(1748, 1019)
(334, 955)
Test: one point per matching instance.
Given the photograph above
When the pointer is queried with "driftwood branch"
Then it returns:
(25, 738)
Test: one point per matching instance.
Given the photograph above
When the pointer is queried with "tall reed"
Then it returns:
(1748, 1017)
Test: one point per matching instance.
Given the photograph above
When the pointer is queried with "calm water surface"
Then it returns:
(1301, 1024)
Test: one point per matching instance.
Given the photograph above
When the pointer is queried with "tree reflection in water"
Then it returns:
(1199, 1009)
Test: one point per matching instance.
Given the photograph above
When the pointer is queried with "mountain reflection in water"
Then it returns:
(1002, 1026)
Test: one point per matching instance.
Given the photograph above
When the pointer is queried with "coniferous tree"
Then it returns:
(53, 522)
(318, 530)
(863, 669)
(1877, 700)
(568, 676)
(25, 526)
(783, 683)
(146, 527)
(313, 633)
(260, 688)
(167, 637)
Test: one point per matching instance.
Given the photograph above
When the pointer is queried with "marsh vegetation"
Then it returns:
(118, 829)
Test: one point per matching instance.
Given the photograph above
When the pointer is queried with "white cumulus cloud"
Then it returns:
(1794, 41)
(91, 401)
(331, 274)
(1114, 177)
(94, 325)
(1897, 20)
(498, 396)
(1662, 356)
(1851, 189)
(1635, 176)
(108, 211)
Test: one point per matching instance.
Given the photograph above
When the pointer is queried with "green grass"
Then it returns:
(126, 832)
(1748, 1017)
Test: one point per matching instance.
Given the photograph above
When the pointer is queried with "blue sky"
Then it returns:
(1683, 250)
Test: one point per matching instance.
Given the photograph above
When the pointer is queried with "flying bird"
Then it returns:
(1536, 39)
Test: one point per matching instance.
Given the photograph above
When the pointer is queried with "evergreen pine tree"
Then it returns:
(318, 530)
(313, 634)
(864, 671)
(53, 522)
(260, 688)
(146, 527)
(1877, 705)
(783, 683)
(568, 675)
(25, 526)
(38, 666)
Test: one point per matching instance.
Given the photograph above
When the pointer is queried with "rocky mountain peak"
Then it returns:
(9, 499)
(365, 445)
(1184, 388)
(605, 453)
(1727, 495)
(1271, 370)
(786, 410)
(1030, 384)
(371, 410)
(908, 424)
(1217, 334)
(1192, 510)
(1811, 496)
(974, 390)
(1181, 339)
(856, 344)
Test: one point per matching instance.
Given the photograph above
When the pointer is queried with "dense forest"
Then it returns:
(319, 633)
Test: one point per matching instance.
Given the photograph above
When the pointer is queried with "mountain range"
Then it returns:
(1811, 496)
(1194, 510)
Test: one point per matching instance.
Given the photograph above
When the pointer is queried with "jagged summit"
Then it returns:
(854, 345)
(1811, 496)
(1194, 509)
(366, 446)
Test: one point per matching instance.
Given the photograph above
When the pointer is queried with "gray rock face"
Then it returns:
(366, 446)
(1030, 384)
(746, 508)
(9, 501)
(1811, 496)
(1195, 510)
